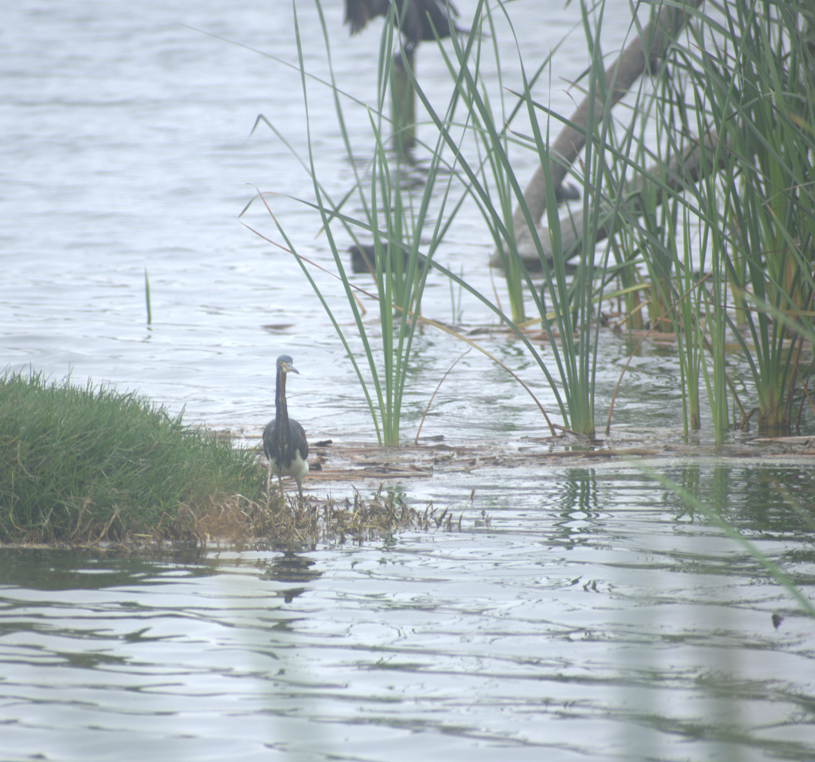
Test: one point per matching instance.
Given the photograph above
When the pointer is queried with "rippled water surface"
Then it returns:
(593, 618)
(580, 613)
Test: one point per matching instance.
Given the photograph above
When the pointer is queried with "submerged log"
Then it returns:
(696, 163)
(643, 53)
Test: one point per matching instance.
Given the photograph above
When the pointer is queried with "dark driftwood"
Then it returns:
(644, 51)
(686, 170)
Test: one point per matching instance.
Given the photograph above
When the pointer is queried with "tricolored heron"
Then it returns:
(284, 440)
(416, 19)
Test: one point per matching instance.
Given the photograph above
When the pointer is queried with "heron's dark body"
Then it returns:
(284, 440)
(414, 21)
(284, 455)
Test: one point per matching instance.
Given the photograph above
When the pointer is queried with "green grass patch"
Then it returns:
(85, 464)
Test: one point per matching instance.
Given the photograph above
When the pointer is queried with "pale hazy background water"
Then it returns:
(593, 618)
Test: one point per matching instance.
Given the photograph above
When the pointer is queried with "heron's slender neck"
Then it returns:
(281, 410)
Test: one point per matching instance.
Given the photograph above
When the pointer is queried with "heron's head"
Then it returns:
(286, 365)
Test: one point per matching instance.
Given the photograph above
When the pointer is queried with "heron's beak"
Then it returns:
(291, 369)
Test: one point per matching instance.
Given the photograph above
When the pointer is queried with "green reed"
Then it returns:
(147, 298)
(747, 88)
(723, 218)
(769, 127)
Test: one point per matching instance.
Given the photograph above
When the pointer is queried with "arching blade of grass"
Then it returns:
(715, 518)
(355, 311)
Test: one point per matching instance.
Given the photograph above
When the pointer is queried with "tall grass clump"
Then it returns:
(83, 464)
(729, 254)
(569, 316)
(765, 107)
(398, 217)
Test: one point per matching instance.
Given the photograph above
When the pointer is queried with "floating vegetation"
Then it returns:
(295, 526)
(91, 467)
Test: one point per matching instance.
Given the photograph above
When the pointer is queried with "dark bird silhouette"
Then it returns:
(284, 440)
(363, 258)
(416, 19)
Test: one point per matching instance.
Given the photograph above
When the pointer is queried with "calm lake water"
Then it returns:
(580, 613)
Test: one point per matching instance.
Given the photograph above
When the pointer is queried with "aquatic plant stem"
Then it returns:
(147, 297)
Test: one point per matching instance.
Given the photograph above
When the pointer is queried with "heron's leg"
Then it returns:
(299, 479)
